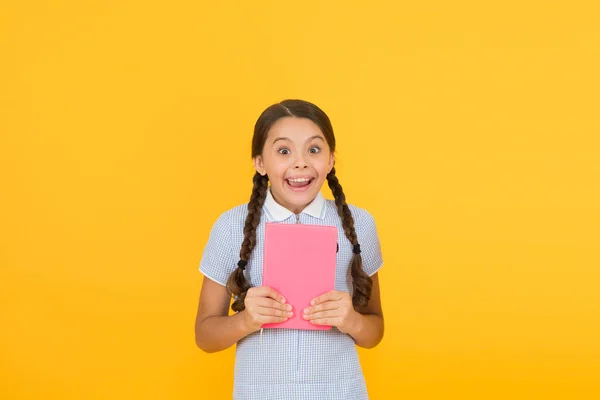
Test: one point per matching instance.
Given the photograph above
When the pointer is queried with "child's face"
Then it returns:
(297, 159)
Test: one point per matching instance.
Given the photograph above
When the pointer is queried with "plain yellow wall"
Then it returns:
(468, 129)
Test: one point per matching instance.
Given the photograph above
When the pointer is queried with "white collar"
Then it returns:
(277, 212)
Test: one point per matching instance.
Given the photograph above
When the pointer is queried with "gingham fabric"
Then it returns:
(290, 363)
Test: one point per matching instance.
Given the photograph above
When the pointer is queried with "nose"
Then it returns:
(300, 162)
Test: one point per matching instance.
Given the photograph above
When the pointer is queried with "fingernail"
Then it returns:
(290, 314)
(283, 299)
(288, 307)
(305, 316)
(312, 302)
(306, 311)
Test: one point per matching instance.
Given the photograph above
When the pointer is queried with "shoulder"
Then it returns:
(229, 224)
(360, 215)
(234, 216)
(220, 252)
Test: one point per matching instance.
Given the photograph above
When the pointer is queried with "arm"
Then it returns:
(367, 331)
(216, 330)
(364, 324)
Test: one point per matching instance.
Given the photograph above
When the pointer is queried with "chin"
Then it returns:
(298, 199)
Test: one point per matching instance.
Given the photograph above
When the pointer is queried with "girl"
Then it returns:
(293, 149)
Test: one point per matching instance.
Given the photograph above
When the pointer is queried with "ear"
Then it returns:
(259, 165)
(331, 162)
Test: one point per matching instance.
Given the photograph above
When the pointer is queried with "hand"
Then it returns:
(264, 306)
(332, 308)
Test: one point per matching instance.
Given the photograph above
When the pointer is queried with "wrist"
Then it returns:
(244, 325)
(355, 325)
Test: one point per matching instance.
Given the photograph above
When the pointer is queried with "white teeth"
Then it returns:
(299, 180)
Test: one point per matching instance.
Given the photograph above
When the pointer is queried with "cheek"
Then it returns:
(323, 164)
(275, 164)
(279, 169)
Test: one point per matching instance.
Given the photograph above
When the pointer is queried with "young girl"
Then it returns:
(293, 150)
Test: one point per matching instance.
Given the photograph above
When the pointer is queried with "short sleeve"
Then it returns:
(217, 261)
(370, 248)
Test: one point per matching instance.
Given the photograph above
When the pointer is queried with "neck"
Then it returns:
(295, 209)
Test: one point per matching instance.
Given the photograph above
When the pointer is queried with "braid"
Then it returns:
(361, 282)
(237, 284)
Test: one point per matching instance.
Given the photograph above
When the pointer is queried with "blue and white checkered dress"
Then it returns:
(290, 363)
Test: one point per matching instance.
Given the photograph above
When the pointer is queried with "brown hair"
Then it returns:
(237, 283)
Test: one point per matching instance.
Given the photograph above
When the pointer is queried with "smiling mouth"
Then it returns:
(299, 182)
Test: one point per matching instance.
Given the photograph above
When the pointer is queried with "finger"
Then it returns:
(328, 305)
(267, 302)
(268, 311)
(321, 315)
(266, 291)
(272, 320)
(262, 315)
(333, 295)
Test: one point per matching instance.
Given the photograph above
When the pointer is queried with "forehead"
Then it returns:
(296, 129)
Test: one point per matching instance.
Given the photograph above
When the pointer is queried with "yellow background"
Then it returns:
(468, 129)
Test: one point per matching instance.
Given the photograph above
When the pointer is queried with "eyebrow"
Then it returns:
(289, 140)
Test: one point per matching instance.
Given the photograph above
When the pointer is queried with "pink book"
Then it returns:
(299, 263)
